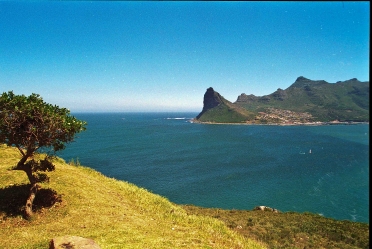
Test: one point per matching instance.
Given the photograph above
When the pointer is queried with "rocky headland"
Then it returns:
(305, 102)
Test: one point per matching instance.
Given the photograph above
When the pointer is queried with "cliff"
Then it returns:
(217, 109)
(211, 99)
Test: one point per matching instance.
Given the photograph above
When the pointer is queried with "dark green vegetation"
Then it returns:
(290, 230)
(303, 102)
(30, 125)
(218, 109)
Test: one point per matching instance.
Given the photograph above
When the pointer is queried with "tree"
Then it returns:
(33, 126)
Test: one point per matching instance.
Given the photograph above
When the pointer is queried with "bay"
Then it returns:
(318, 169)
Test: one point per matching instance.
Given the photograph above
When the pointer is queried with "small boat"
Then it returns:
(310, 151)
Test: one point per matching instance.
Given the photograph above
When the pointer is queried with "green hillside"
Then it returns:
(225, 113)
(304, 101)
(343, 101)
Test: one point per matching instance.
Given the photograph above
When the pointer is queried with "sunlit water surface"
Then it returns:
(320, 169)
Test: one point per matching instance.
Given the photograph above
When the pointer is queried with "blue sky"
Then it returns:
(162, 56)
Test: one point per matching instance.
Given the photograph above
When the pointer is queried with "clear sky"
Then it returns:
(162, 56)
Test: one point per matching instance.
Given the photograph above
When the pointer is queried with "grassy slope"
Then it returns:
(115, 214)
(226, 112)
(290, 229)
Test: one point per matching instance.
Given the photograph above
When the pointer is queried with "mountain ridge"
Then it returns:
(304, 101)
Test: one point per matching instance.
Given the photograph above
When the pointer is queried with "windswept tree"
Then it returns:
(34, 126)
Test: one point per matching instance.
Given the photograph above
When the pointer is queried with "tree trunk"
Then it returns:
(33, 190)
(34, 186)
(28, 208)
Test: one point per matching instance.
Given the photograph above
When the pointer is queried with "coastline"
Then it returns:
(162, 218)
(318, 123)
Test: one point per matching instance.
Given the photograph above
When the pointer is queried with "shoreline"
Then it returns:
(284, 124)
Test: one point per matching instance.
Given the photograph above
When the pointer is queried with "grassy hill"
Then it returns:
(115, 214)
(82, 202)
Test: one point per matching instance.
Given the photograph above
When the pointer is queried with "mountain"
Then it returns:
(217, 109)
(304, 101)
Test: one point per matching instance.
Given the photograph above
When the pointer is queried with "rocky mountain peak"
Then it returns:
(302, 78)
(211, 99)
(246, 98)
(302, 82)
(353, 80)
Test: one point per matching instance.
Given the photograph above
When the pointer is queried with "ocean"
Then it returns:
(318, 169)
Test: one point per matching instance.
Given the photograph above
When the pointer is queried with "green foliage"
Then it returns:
(29, 123)
(40, 165)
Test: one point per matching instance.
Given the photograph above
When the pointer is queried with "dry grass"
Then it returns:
(114, 213)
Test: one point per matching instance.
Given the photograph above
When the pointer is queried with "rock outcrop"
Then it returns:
(72, 242)
(302, 82)
(217, 109)
(211, 100)
(246, 98)
(264, 208)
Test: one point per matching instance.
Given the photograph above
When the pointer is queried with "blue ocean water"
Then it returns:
(319, 169)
